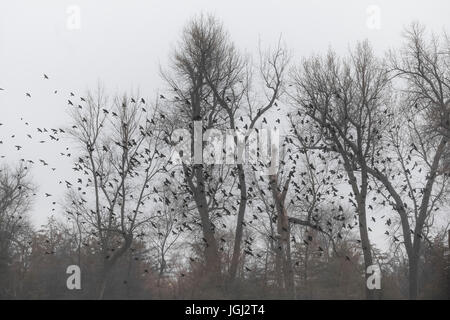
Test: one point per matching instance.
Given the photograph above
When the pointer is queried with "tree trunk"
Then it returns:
(287, 265)
(239, 224)
(413, 277)
(212, 258)
(360, 193)
(367, 251)
(103, 281)
(109, 264)
(283, 236)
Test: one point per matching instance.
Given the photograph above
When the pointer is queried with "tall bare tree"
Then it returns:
(345, 99)
(212, 84)
(424, 67)
(121, 156)
(232, 84)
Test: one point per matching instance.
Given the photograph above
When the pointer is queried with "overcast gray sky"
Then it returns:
(123, 43)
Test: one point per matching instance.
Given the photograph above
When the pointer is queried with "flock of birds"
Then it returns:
(313, 185)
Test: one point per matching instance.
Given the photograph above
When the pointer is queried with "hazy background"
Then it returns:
(124, 43)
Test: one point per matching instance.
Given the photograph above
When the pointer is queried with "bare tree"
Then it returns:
(345, 99)
(16, 195)
(193, 102)
(121, 155)
(163, 235)
(424, 66)
(218, 94)
(225, 79)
